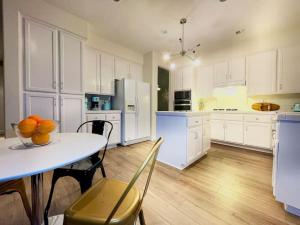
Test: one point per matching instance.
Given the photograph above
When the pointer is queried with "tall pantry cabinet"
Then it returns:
(53, 82)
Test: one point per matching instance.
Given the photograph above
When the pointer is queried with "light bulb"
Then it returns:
(197, 62)
(166, 56)
(172, 66)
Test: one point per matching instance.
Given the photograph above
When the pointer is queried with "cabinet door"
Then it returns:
(204, 81)
(194, 143)
(115, 133)
(72, 112)
(71, 81)
(136, 72)
(177, 80)
(234, 132)
(42, 104)
(206, 134)
(261, 73)
(220, 74)
(129, 126)
(217, 130)
(289, 70)
(187, 78)
(143, 109)
(107, 74)
(237, 71)
(121, 68)
(40, 46)
(91, 68)
(258, 135)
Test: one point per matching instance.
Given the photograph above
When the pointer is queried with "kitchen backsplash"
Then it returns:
(236, 97)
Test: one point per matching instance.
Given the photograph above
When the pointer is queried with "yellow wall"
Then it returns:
(236, 97)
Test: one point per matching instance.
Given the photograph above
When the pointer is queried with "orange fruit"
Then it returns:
(40, 139)
(27, 126)
(26, 135)
(46, 126)
(37, 118)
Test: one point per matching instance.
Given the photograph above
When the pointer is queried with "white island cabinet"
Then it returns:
(185, 137)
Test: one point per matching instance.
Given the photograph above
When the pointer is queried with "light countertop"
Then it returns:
(181, 113)
(102, 111)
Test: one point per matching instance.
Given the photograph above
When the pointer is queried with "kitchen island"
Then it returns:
(186, 135)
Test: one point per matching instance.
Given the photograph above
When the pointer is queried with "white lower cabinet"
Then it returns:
(186, 137)
(258, 135)
(217, 130)
(206, 143)
(114, 118)
(234, 132)
(194, 143)
(253, 130)
(71, 112)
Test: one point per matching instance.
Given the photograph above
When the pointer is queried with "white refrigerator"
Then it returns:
(133, 98)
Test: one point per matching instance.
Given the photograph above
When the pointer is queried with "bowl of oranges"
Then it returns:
(34, 130)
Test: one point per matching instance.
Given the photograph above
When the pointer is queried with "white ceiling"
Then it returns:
(138, 24)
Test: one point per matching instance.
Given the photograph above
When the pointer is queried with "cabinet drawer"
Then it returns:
(194, 121)
(90, 117)
(227, 116)
(258, 118)
(112, 117)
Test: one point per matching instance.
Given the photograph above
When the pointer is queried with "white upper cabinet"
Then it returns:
(136, 71)
(187, 78)
(71, 81)
(204, 81)
(289, 70)
(91, 71)
(220, 74)
(177, 80)
(183, 78)
(231, 72)
(261, 73)
(40, 63)
(72, 112)
(121, 68)
(107, 74)
(237, 71)
(43, 104)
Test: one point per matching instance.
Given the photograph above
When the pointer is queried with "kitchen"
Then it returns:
(230, 95)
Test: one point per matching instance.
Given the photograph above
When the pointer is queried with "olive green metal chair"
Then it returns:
(18, 185)
(111, 201)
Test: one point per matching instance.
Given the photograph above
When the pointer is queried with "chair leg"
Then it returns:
(85, 183)
(102, 170)
(54, 180)
(141, 218)
(22, 191)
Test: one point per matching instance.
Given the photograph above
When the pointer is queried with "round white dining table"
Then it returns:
(16, 161)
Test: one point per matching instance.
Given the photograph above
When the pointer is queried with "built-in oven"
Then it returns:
(182, 100)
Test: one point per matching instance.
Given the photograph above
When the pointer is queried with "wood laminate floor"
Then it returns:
(229, 186)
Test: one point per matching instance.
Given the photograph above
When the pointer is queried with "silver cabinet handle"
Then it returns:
(54, 84)
(61, 85)
(280, 86)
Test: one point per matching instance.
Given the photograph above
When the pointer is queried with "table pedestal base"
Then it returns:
(37, 199)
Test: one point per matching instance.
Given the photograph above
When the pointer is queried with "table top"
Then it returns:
(17, 161)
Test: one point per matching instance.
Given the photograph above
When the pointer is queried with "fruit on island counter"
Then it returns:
(36, 128)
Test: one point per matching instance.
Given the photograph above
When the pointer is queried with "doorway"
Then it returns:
(163, 89)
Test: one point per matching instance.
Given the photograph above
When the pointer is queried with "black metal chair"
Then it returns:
(83, 171)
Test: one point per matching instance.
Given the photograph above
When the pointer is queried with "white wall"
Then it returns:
(150, 74)
(95, 41)
(1, 100)
(12, 12)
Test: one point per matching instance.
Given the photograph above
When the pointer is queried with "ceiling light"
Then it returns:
(197, 62)
(166, 56)
(222, 0)
(183, 52)
(172, 66)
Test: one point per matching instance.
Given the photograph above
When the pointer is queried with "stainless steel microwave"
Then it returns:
(182, 101)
